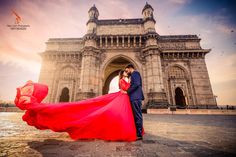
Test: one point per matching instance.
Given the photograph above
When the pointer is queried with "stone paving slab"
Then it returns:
(193, 111)
(166, 136)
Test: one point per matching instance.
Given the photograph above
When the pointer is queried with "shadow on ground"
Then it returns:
(150, 146)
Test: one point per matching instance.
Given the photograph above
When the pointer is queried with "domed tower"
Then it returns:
(90, 37)
(149, 21)
(93, 17)
(93, 13)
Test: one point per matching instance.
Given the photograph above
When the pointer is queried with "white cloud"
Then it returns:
(180, 1)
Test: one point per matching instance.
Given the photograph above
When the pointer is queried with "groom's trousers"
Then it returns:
(138, 118)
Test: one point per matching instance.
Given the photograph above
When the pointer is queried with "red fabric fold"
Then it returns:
(107, 117)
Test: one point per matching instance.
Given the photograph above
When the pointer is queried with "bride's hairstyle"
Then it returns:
(120, 77)
(121, 73)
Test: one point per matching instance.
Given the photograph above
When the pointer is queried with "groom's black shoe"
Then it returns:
(139, 138)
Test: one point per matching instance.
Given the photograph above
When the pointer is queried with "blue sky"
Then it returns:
(212, 8)
(213, 21)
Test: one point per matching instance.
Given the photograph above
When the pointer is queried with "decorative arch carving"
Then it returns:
(67, 72)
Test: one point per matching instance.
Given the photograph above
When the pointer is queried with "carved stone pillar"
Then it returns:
(128, 41)
(100, 41)
(134, 41)
(111, 41)
(123, 41)
(88, 73)
(88, 78)
(155, 87)
(106, 41)
(140, 40)
(117, 41)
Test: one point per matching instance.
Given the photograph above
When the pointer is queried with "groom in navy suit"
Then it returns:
(135, 93)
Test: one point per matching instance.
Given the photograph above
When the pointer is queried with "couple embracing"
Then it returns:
(115, 116)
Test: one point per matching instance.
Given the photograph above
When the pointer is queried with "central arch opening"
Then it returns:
(111, 74)
(179, 98)
(113, 85)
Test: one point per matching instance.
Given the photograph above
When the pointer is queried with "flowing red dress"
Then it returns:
(107, 117)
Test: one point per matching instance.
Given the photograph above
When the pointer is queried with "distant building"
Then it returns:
(173, 67)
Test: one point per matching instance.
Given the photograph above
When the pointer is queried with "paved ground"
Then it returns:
(166, 135)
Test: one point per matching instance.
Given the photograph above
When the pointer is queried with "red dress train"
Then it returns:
(107, 117)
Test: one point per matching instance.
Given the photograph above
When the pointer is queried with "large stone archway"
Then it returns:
(110, 44)
(112, 70)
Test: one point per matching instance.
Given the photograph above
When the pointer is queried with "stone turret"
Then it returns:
(93, 12)
(91, 27)
(149, 21)
(93, 17)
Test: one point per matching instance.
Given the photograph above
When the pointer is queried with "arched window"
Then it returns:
(67, 73)
(64, 97)
(176, 72)
(179, 98)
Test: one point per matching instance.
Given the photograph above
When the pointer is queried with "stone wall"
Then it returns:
(166, 63)
(201, 83)
(119, 29)
(47, 75)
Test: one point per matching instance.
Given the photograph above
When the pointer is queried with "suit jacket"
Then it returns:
(135, 91)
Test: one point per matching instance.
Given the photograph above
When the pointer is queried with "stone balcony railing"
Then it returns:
(61, 56)
(120, 41)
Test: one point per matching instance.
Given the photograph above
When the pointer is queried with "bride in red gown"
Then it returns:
(107, 117)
